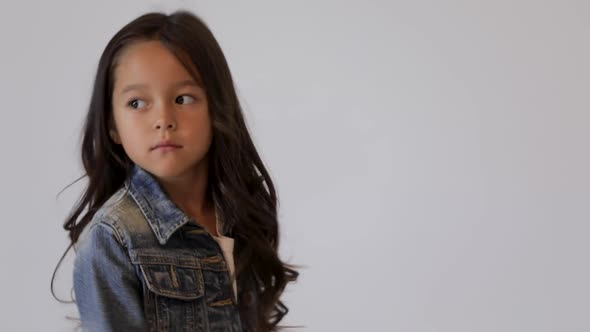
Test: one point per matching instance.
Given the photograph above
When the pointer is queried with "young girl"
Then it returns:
(180, 231)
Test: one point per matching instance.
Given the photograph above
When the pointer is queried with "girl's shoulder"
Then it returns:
(120, 213)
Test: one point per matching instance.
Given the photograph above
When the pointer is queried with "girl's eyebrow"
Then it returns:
(179, 84)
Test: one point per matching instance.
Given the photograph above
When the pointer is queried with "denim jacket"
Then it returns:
(136, 269)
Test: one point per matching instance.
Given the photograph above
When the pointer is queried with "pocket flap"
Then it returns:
(174, 275)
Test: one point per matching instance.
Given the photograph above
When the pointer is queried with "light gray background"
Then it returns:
(431, 157)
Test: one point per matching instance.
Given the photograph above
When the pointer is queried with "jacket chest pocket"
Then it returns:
(174, 290)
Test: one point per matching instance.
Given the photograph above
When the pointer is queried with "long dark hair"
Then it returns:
(238, 181)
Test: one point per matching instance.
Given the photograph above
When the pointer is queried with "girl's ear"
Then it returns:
(115, 136)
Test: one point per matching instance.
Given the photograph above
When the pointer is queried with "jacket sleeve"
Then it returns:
(108, 293)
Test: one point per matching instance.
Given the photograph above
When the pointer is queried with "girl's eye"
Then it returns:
(184, 98)
(135, 103)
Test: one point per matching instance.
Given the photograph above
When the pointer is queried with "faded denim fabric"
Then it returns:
(141, 266)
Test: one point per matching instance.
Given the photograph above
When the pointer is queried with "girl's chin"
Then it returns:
(164, 171)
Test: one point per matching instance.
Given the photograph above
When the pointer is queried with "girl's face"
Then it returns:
(155, 100)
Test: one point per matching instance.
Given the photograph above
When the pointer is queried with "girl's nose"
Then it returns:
(168, 124)
(165, 120)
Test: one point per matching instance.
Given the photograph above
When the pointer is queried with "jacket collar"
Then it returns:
(162, 214)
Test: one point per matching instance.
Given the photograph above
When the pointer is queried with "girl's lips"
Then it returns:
(167, 147)
(166, 143)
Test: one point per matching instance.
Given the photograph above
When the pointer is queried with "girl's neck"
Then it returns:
(190, 192)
